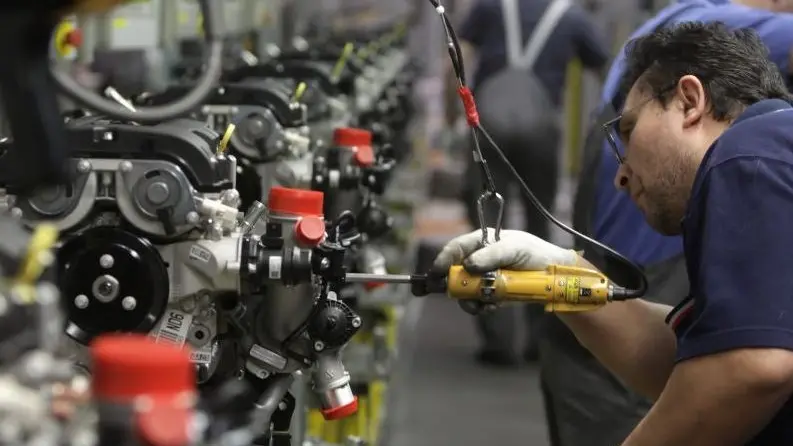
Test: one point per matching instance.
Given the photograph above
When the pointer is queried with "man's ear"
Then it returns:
(691, 94)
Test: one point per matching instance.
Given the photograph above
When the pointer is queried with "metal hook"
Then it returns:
(486, 196)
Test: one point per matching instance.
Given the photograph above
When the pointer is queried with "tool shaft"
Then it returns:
(381, 278)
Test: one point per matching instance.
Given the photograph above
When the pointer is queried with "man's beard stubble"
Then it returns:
(668, 202)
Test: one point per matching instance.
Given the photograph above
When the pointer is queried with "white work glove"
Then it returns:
(517, 250)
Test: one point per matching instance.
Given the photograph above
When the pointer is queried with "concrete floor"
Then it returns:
(442, 397)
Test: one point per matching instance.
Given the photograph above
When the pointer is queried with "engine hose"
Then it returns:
(212, 11)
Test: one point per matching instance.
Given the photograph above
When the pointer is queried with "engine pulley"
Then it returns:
(113, 281)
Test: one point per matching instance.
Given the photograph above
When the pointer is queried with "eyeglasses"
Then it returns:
(612, 126)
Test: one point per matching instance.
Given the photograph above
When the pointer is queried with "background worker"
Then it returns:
(707, 152)
(535, 149)
(590, 406)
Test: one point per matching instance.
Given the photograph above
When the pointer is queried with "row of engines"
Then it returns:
(229, 231)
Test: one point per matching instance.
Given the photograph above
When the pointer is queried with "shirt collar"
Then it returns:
(761, 108)
(754, 110)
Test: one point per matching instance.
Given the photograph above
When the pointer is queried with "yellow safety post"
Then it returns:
(315, 424)
(377, 390)
(573, 106)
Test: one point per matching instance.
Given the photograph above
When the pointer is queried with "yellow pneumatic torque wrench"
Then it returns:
(559, 288)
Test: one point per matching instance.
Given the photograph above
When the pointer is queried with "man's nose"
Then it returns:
(621, 179)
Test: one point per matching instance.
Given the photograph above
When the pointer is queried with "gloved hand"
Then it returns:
(516, 250)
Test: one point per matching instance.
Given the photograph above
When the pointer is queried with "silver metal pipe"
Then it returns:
(382, 278)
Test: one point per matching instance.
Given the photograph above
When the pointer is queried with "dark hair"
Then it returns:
(732, 65)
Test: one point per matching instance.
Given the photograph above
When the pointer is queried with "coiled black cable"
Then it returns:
(458, 65)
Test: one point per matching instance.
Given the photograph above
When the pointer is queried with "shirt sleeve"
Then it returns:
(590, 44)
(475, 24)
(744, 287)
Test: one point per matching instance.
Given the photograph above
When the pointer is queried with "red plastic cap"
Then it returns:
(74, 38)
(364, 156)
(164, 425)
(350, 137)
(337, 413)
(301, 202)
(310, 231)
(369, 286)
(128, 366)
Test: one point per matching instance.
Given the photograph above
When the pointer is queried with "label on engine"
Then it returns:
(200, 253)
(174, 327)
(268, 357)
(274, 267)
(203, 355)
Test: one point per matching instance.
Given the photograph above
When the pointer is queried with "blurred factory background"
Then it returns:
(434, 393)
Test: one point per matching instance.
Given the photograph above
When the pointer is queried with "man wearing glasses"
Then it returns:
(590, 406)
(705, 148)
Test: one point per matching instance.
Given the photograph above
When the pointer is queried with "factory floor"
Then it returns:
(441, 396)
(446, 399)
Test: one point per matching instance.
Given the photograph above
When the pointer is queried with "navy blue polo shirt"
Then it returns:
(738, 237)
(574, 37)
(617, 221)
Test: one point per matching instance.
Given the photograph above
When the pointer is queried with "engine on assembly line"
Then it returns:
(153, 241)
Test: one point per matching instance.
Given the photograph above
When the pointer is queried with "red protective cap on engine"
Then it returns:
(300, 202)
(337, 413)
(350, 136)
(364, 156)
(309, 231)
(127, 366)
(164, 425)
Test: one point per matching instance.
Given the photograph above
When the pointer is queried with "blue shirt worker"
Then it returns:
(707, 153)
(618, 222)
(589, 406)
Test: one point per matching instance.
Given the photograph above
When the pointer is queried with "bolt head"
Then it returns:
(129, 303)
(188, 305)
(319, 346)
(356, 322)
(106, 261)
(81, 301)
